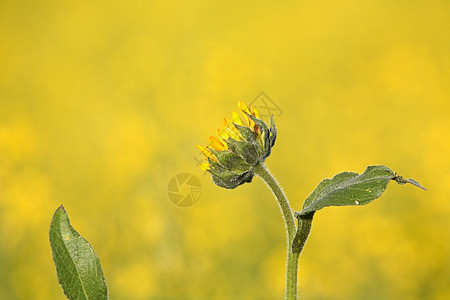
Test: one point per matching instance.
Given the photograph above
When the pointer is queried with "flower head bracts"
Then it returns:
(238, 147)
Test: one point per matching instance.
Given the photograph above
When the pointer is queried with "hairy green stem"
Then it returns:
(292, 259)
(291, 275)
(265, 174)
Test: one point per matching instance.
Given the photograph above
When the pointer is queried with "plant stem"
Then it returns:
(291, 274)
(271, 182)
(292, 259)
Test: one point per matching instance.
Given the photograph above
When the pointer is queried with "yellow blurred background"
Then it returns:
(102, 103)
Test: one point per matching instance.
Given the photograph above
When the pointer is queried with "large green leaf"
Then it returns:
(78, 267)
(349, 188)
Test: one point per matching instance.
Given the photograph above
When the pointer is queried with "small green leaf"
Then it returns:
(78, 267)
(349, 188)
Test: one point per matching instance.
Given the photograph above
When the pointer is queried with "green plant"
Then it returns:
(233, 158)
(78, 267)
(239, 153)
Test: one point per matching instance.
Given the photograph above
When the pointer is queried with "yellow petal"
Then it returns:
(228, 123)
(206, 152)
(255, 112)
(217, 144)
(232, 134)
(247, 120)
(205, 167)
(236, 119)
(231, 129)
(222, 134)
(243, 107)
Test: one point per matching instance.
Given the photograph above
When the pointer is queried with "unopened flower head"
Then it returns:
(239, 146)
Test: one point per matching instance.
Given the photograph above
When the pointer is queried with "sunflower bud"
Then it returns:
(238, 148)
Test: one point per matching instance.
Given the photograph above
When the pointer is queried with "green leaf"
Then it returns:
(349, 188)
(78, 267)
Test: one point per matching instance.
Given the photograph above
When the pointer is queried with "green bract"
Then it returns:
(240, 146)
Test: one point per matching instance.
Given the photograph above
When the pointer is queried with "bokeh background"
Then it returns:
(102, 103)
